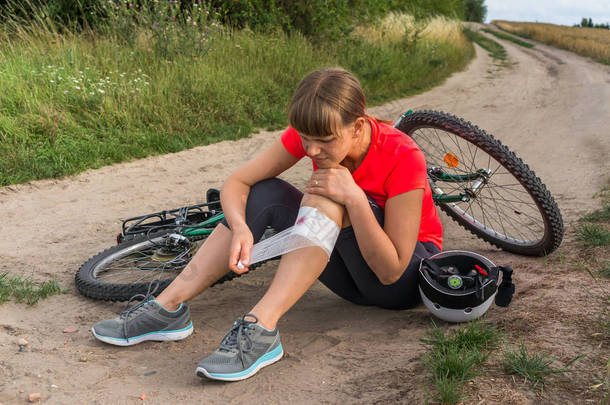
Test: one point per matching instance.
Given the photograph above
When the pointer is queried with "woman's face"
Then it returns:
(331, 150)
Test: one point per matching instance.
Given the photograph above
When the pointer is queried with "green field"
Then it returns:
(78, 100)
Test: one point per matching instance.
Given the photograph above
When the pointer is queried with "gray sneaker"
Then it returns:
(147, 320)
(247, 348)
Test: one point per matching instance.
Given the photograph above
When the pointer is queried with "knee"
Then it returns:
(330, 208)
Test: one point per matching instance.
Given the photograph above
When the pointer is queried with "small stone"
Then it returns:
(54, 386)
(70, 329)
(34, 397)
(22, 348)
(22, 342)
(83, 359)
(150, 373)
(142, 397)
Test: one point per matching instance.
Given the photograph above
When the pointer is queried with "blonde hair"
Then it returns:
(325, 100)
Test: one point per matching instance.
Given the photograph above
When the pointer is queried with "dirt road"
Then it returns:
(551, 107)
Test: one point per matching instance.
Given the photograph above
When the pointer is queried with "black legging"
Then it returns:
(276, 203)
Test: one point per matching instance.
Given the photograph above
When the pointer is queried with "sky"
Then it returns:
(565, 12)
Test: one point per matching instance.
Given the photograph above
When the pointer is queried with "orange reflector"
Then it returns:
(451, 160)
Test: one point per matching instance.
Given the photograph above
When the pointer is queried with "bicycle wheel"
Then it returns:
(508, 206)
(119, 273)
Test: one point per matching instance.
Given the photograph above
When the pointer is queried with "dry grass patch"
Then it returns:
(397, 27)
(592, 42)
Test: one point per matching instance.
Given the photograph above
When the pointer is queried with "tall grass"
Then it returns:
(592, 42)
(72, 101)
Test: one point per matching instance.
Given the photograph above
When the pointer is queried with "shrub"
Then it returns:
(476, 10)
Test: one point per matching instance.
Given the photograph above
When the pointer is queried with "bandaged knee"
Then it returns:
(312, 228)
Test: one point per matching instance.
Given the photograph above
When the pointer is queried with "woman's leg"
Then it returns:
(297, 270)
(209, 264)
(271, 202)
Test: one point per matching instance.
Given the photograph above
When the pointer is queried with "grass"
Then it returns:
(73, 101)
(591, 42)
(537, 369)
(593, 234)
(495, 49)
(600, 215)
(453, 357)
(507, 37)
(25, 290)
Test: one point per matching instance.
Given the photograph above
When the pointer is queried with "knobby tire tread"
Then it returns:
(540, 195)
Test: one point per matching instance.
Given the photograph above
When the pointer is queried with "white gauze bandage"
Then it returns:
(312, 228)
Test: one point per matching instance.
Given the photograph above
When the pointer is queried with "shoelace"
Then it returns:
(153, 286)
(234, 337)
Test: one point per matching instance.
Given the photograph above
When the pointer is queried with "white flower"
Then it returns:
(77, 88)
(101, 91)
(52, 81)
(65, 91)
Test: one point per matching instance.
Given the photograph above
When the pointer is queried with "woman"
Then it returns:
(369, 180)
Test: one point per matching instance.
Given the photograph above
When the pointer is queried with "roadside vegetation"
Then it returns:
(82, 92)
(495, 49)
(458, 356)
(502, 35)
(25, 290)
(455, 357)
(591, 42)
(534, 368)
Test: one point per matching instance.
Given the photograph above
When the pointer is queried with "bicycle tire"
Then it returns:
(90, 284)
(442, 137)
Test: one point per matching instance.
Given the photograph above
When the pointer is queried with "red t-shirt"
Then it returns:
(393, 165)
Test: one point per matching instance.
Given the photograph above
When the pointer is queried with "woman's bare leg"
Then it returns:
(208, 265)
(297, 270)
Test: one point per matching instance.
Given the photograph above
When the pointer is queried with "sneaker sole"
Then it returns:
(159, 336)
(265, 360)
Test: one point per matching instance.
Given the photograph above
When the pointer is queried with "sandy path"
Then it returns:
(551, 107)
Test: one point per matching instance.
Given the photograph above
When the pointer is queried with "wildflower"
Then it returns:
(101, 91)
(77, 87)
(65, 91)
(52, 81)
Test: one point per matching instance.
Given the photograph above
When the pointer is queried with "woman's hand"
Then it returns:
(335, 183)
(241, 245)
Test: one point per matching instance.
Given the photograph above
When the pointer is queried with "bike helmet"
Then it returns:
(459, 286)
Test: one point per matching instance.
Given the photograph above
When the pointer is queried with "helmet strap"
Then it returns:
(506, 288)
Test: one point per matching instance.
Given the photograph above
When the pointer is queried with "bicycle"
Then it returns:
(474, 178)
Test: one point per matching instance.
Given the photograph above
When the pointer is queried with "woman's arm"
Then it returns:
(387, 251)
(234, 195)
